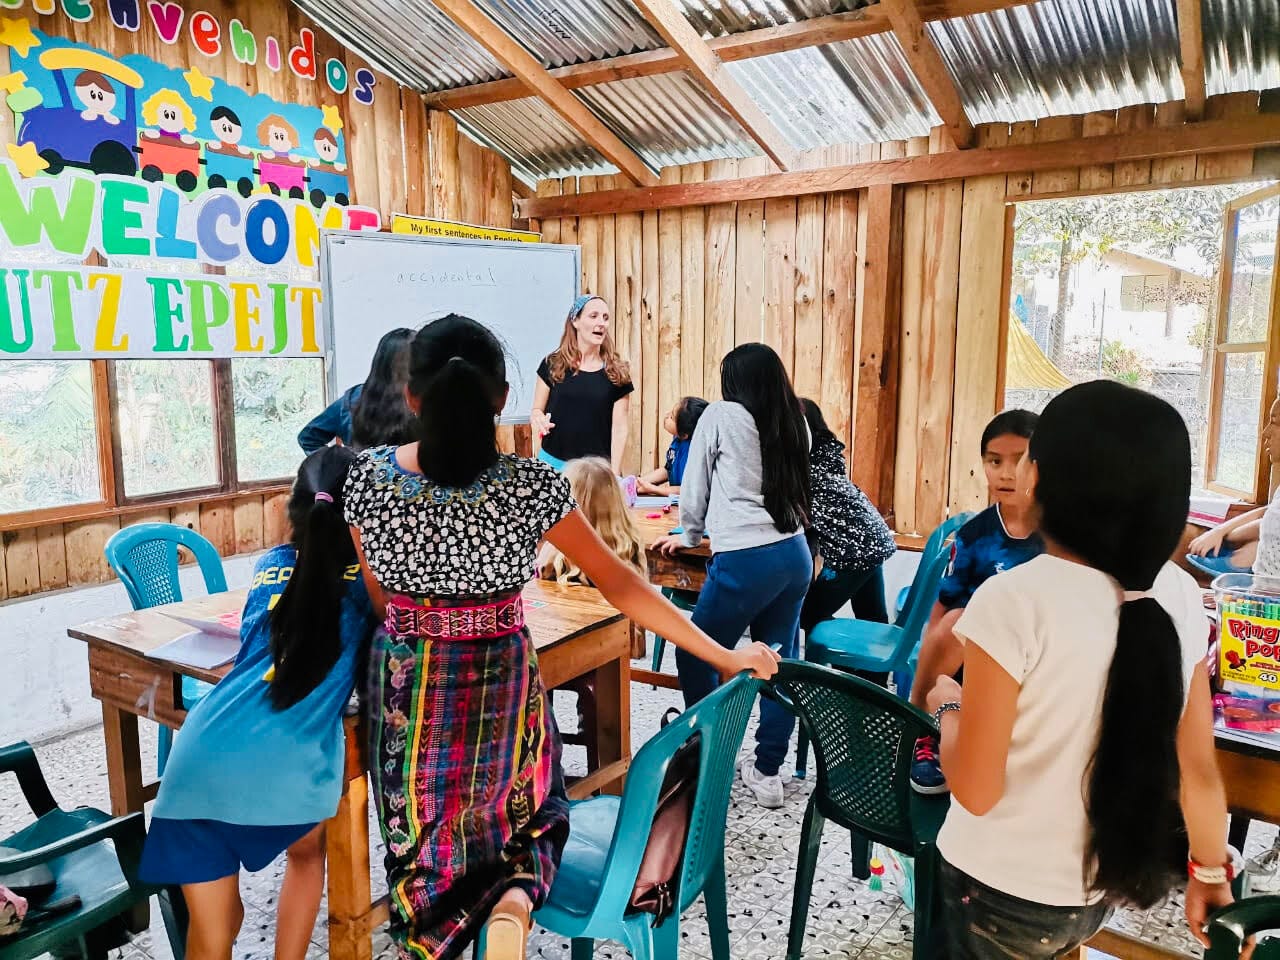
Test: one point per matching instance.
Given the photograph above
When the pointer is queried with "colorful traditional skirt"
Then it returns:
(465, 767)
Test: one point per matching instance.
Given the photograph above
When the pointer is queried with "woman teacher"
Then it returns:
(581, 398)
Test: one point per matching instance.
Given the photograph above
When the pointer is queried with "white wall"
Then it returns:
(44, 674)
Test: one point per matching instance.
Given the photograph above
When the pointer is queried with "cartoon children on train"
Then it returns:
(168, 113)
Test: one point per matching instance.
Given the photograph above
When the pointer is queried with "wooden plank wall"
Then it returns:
(403, 159)
(792, 273)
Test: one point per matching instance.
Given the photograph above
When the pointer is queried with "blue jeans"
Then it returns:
(761, 588)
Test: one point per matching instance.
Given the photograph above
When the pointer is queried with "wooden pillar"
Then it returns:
(876, 410)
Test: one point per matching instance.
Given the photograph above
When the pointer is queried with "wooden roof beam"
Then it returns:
(926, 63)
(714, 77)
(1207, 136)
(833, 28)
(1191, 44)
(532, 74)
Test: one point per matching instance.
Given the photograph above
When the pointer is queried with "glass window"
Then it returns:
(1238, 421)
(168, 442)
(1252, 268)
(48, 446)
(274, 399)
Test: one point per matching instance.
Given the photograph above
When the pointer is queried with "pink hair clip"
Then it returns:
(326, 497)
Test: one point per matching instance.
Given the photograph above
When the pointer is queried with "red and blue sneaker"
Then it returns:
(926, 768)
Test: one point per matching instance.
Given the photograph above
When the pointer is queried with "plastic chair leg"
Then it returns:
(806, 863)
(860, 848)
(659, 648)
(582, 948)
(173, 908)
(717, 901)
(926, 912)
(802, 753)
(164, 743)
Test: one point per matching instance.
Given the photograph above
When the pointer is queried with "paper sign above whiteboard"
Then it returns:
(76, 313)
(426, 227)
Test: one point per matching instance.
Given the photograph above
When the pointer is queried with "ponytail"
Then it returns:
(306, 637)
(458, 377)
(1132, 784)
(1114, 481)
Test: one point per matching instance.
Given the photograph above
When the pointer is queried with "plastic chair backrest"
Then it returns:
(943, 531)
(145, 558)
(863, 737)
(721, 721)
(1232, 925)
(920, 600)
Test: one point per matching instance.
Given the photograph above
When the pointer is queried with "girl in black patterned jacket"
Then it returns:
(853, 538)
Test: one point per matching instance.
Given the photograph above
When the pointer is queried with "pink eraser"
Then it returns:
(653, 516)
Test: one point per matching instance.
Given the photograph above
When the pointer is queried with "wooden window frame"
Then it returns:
(1268, 348)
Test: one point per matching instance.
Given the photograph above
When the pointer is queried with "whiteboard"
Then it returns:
(375, 282)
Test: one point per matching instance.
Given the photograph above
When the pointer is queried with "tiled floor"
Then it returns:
(848, 919)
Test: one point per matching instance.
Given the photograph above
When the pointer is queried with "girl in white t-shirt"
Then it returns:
(1086, 712)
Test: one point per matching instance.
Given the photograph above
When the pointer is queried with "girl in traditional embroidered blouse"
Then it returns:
(464, 751)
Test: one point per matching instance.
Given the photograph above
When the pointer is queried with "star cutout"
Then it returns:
(13, 82)
(199, 85)
(16, 32)
(332, 119)
(26, 159)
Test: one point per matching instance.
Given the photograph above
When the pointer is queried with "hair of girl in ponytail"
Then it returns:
(1114, 484)
(458, 376)
(305, 623)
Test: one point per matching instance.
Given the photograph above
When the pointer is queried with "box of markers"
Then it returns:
(1248, 651)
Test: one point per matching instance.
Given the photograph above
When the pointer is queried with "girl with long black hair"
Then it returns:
(258, 768)
(1086, 718)
(464, 752)
(372, 412)
(747, 482)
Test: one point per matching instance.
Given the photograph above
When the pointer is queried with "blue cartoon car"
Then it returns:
(91, 135)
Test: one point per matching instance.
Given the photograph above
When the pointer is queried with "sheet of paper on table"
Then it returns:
(649, 501)
(226, 625)
(199, 649)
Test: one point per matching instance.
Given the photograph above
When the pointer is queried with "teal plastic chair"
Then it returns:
(941, 534)
(608, 836)
(684, 600)
(91, 855)
(875, 647)
(863, 738)
(145, 558)
(1231, 926)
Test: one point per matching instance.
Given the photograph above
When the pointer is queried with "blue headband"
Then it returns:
(581, 302)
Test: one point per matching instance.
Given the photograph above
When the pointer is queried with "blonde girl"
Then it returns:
(169, 114)
(596, 489)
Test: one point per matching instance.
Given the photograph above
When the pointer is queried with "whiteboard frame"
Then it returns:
(332, 390)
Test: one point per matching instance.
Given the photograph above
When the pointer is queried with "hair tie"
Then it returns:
(325, 497)
(1131, 596)
(581, 302)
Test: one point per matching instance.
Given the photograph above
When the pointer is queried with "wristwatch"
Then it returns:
(948, 707)
(1214, 876)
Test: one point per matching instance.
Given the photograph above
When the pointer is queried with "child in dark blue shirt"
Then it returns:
(997, 539)
(680, 423)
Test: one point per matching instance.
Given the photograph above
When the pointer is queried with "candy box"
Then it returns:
(1248, 635)
(1258, 714)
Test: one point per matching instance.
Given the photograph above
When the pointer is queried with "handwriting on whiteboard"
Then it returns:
(438, 278)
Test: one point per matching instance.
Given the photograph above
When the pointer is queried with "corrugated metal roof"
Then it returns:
(1042, 59)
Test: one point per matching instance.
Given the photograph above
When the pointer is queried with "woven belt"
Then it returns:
(406, 617)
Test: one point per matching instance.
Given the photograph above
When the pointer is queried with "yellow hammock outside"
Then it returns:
(1026, 367)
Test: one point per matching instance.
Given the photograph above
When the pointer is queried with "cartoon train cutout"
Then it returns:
(92, 137)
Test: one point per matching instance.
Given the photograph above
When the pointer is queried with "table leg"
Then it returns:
(613, 710)
(124, 760)
(350, 893)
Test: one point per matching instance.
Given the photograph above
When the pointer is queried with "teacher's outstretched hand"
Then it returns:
(582, 396)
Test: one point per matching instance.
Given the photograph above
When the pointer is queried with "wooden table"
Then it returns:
(575, 632)
(687, 570)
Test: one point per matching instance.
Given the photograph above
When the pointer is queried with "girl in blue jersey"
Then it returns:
(259, 765)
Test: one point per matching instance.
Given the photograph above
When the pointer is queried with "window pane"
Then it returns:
(48, 450)
(274, 399)
(1238, 423)
(167, 437)
(1252, 268)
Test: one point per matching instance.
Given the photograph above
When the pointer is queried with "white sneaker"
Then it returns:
(768, 790)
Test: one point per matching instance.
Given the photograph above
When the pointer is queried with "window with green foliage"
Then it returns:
(165, 410)
(274, 399)
(48, 444)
